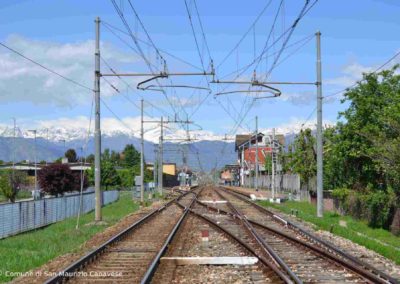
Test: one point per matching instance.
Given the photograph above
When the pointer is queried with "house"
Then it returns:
(230, 175)
(246, 147)
(170, 176)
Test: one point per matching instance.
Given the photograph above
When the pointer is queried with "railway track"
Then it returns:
(305, 258)
(132, 255)
(166, 245)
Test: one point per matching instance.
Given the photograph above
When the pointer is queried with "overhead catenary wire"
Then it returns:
(112, 27)
(194, 36)
(141, 53)
(133, 89)
(286, 40)
(202, 30)
(245, 34)
(145, 30)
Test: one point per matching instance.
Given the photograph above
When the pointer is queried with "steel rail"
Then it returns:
(266, 247)
(312, 237)
(264, 260)
(325, 253)
(68, 272)
(364, 273)
(156, 261)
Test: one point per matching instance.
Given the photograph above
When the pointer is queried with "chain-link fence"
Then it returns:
(23, 216)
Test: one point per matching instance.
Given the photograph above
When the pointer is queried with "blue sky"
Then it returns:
(357, 36)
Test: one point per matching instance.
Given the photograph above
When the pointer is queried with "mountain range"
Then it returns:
(205, 152)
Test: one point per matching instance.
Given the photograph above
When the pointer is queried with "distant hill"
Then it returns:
(203, 155)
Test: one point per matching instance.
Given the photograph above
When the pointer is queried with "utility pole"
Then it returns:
(273, 164)
(256, 183)
(320, 198)
(160, 156)
(81, 193)
(97, 131)
(47, 140)
(155, 167)
(141, 154)
(35, 158)
(14, 145)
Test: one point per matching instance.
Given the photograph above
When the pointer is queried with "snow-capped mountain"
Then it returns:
(152, 134)
(206, 150)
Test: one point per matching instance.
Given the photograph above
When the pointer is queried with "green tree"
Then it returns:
(90, 159)
(127, 177)
(109, 175)
(303, 156)
(115, 158)
(71, 155)
(268, 163)
(106, 156)
(11, 183)
(131, 157)
(56, 179)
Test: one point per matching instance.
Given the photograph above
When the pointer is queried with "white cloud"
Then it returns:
(21, 80)
(299, 98)
(350, 74)
(295, 124)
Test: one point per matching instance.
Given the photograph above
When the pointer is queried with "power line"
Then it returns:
(376, 70)
(130, 87)
(116, 116)
(194, 35)
(202, 30)
(110, 27)
(124, 21)
(46, 68)
(308, 117)
(145, 30)
(245, 34)
(286, 40)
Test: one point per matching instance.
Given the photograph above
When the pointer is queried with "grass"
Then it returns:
(378, 240)
(33, 249)
(21, 195)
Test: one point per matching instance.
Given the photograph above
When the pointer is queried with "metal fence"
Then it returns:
(23, 216)
(283, 183)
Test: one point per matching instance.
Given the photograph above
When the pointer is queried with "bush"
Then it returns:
(380, 209)
(377, 207)
(127, 177)
(341, 193)
(56, 179)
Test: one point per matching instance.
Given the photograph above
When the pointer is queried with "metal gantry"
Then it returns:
(98, 75)
(160, 149)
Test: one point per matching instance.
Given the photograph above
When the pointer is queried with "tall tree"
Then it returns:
(106, 155)
(90, 159)
(109, 175)
(71, 155)
(131, 157)
(115, 158)
(303, 156)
